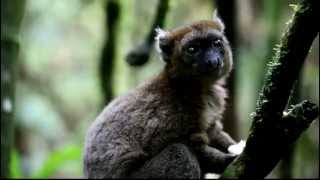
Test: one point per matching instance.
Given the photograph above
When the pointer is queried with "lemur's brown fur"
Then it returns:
(179, 105)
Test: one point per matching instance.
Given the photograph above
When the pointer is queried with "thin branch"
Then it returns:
(298, 118)
(112, 10)
(12, 12)
(270, 133)
(141, 54)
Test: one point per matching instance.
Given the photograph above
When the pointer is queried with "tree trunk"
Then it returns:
(272, 133)
(112, 13)
(227, 11)
(11, 16)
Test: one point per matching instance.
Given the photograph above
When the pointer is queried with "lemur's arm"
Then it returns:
(213, 160)
(219, 138)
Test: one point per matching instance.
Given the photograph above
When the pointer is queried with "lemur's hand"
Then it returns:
(237, 148)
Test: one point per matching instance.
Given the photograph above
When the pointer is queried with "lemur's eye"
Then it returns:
(217, 43)
(192, 50)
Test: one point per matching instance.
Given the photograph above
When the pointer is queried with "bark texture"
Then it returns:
(271, 132)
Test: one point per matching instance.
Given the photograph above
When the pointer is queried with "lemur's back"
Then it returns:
(139, 122)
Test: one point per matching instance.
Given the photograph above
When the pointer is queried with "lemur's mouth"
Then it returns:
(208, 68)
(215, 64)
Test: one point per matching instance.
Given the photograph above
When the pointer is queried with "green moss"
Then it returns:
(273, 63)
(295, 7)
(253, 114)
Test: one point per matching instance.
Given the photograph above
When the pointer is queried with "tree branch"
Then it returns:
(271, 134)
(12, 12)
(112, 17)
(227, 11)
(298, 118)
(141, 54)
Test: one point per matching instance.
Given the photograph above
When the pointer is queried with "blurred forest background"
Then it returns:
(59, 89)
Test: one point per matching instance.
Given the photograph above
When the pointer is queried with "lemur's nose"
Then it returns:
(214, 59)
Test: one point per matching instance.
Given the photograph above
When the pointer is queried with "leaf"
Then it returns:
(15, 165)
(57, 159)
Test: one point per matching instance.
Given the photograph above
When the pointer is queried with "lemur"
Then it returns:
(177, 112)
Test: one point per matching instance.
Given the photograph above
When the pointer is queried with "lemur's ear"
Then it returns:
(163, 43)
(216, 19)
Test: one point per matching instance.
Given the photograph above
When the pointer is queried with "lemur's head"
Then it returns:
(196, 50)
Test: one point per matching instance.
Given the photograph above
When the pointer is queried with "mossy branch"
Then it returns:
(140, 55)
(271, 133)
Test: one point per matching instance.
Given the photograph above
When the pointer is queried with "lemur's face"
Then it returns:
(198, 50)
(205, 53)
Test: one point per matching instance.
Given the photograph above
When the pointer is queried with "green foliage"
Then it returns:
(55, 162)
(56, 159)
(15, 165)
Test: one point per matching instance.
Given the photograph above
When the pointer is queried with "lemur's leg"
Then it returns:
(175, 161)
